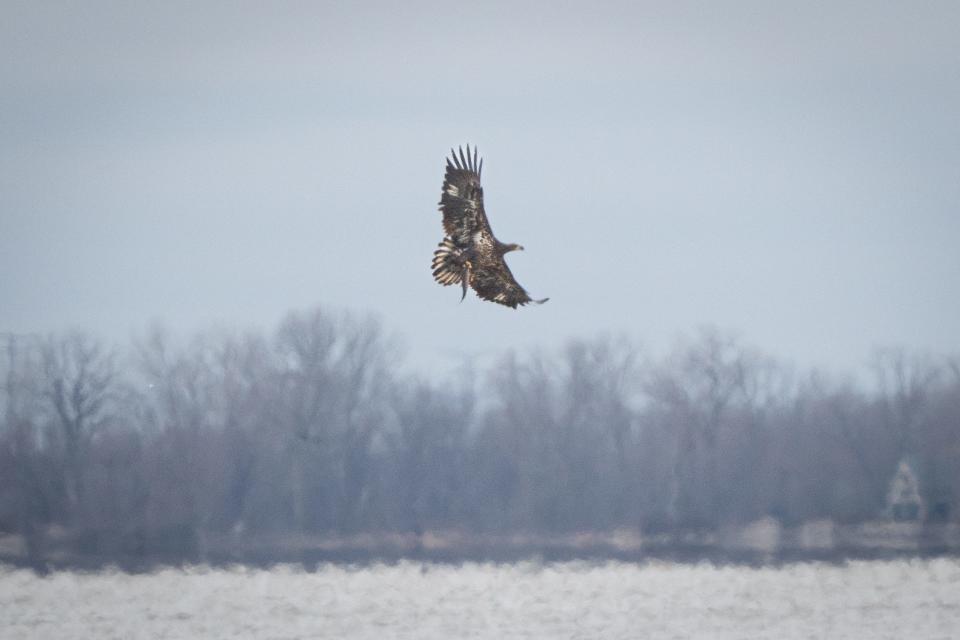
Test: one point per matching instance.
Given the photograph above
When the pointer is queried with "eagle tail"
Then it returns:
(447, 263)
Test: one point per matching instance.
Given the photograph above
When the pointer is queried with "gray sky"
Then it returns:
(788, 172)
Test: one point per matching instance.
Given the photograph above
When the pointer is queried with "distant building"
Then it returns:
(904, 503)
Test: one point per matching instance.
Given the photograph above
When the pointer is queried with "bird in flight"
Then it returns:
(470, 255)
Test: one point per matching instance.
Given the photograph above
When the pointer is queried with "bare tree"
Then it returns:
(427, 448)
(597, 388)
(22, 466)
(843, 460)
(904, 384)
(334, 372)
(693, 392)
(518, 441)
(79, 384)
(206, 402)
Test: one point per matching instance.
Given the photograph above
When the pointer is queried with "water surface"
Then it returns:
(868, 599)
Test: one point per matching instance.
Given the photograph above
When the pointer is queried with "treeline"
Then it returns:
(313, 429)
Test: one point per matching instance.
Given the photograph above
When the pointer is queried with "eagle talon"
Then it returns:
(465, 280)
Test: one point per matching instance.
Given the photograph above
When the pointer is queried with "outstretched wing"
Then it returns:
(494, 282)
(461, 201)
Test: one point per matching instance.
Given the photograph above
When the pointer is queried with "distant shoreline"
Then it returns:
(759, 543)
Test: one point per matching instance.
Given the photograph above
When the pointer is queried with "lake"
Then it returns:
(859, 599)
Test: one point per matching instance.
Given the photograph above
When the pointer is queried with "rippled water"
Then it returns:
(889, 599)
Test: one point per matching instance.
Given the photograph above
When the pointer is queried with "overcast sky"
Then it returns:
(788, 171)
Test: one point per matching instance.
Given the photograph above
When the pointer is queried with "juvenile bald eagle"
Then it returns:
(470, 254)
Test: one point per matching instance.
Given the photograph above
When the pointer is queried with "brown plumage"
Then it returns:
(470, 254)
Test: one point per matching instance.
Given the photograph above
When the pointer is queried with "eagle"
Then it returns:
(470, 254)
